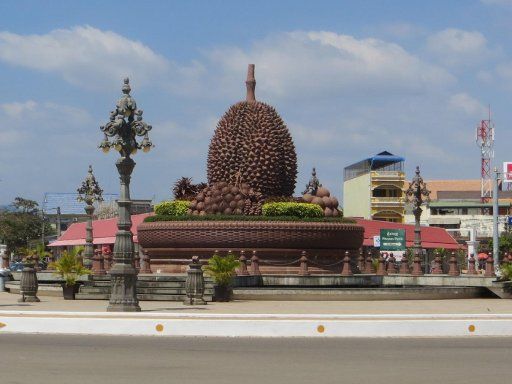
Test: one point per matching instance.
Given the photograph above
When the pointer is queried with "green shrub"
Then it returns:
(506, 271)
(156, 218)
(69, 266)
(222, 268)
(172, 208)
(301, 210)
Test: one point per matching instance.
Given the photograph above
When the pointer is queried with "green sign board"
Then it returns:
(392, 239)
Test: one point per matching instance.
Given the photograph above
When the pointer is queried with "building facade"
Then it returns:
(456, 206)
(373, 188)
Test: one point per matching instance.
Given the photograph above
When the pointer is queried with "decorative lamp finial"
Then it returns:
(126, 87)
(251, 84)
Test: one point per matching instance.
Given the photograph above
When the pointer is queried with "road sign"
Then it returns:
(392, 239)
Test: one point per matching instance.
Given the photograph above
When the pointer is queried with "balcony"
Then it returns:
(388, 201)
(387, 176)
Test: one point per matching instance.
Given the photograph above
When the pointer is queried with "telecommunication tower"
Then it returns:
(485, 140)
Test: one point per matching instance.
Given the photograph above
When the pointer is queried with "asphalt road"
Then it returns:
(39, 359)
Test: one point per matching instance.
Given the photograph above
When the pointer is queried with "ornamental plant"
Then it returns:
(300, 210)
(506, 271)
(172, 208)
(222, 268)
(40, 251)
(69, 267)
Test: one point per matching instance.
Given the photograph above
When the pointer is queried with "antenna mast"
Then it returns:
(485, 140)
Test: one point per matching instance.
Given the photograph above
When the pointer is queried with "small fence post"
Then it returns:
(472, 268)
(381, 268)
(360, 262)
(303, 268)
(243, 265)
(454, 266)
(146, 263)
(438, 265)
(391, 263)
(368, 265)
(489, 266)
(416, 266)
(255, 264)
(346, 271)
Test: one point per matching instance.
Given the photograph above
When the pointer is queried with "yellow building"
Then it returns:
(374, 188)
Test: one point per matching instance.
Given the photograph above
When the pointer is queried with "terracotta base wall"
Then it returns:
(278, 245)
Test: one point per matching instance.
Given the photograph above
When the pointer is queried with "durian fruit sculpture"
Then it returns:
(225, 199)
(316, 194)
(252, 145)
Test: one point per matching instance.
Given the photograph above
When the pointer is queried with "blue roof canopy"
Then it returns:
(383, 160)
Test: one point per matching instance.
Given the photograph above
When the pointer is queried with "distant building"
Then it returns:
(64, 208)
(373, 188)
(456, 205)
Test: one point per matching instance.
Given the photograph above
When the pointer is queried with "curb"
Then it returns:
(257, 325)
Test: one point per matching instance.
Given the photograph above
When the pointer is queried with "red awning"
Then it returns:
(431, 237)
(104, 232)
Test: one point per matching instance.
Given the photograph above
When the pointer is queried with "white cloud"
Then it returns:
(323, 64)
(291, 64)
(343, 98)
(17, 109)
(83, 56)
(458, 47)
(467, 104)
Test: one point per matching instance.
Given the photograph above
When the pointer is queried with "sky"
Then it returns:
(349, 78)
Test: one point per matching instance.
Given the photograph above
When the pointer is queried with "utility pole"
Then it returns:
(58, 222)
(495, 208)
(42, 226)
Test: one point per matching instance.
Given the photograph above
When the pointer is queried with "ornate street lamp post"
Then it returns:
(89, 192)
(124, 126)
(417, 194)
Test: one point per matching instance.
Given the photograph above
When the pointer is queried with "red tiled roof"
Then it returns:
(431, 237)
(104, 232)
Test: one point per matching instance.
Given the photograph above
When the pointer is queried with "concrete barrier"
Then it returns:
(265, 325)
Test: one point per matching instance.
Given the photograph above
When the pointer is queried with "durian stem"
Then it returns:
(251, 84)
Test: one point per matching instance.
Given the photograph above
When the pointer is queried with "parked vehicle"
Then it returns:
(17, 266)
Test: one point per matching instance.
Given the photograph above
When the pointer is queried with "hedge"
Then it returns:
(155, 218)
(172, 208)
(300, 210)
